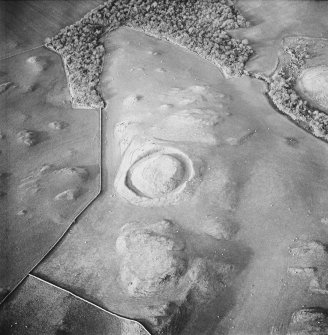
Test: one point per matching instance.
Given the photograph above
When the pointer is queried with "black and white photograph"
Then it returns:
(164, 167)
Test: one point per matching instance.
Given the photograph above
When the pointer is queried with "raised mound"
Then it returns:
(309, 321)
(313, 84)
(156, 175)
(152, 175)
(153, 257)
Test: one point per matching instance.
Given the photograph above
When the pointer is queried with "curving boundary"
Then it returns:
(198, 25)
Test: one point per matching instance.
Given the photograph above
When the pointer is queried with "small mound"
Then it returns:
(129, 235)
(190, 125)
(124, 133)
(324, 220)
(220, 228)
(192, 95)
(168, 318)
(37, 64)
(58, 125)
(311, 249)
(319, 284)
(309, 321)
(131, 100)
(198, 117)
(302, 271)
(153, 257)
(209, 277)
(165, 106)
(70, 194)
(198, 89)
(27, 137)
(72, 174)
(46, 168)
(154, 53)
(22, 212)
(160, 70)
(241, 138)
(313, 83)
(187, 101)
(292, 141)
(4, 87)
(156, 175)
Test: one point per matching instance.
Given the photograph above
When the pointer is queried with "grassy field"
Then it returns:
(25, 24)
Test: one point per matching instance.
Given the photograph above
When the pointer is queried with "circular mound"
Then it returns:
(153, 257)
(152, 175)
(27, 137)
(156, 175)
(313, 84)
(132, 100)
(36, 64)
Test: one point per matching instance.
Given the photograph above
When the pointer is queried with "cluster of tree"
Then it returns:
(288, 101)
(199, 25)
